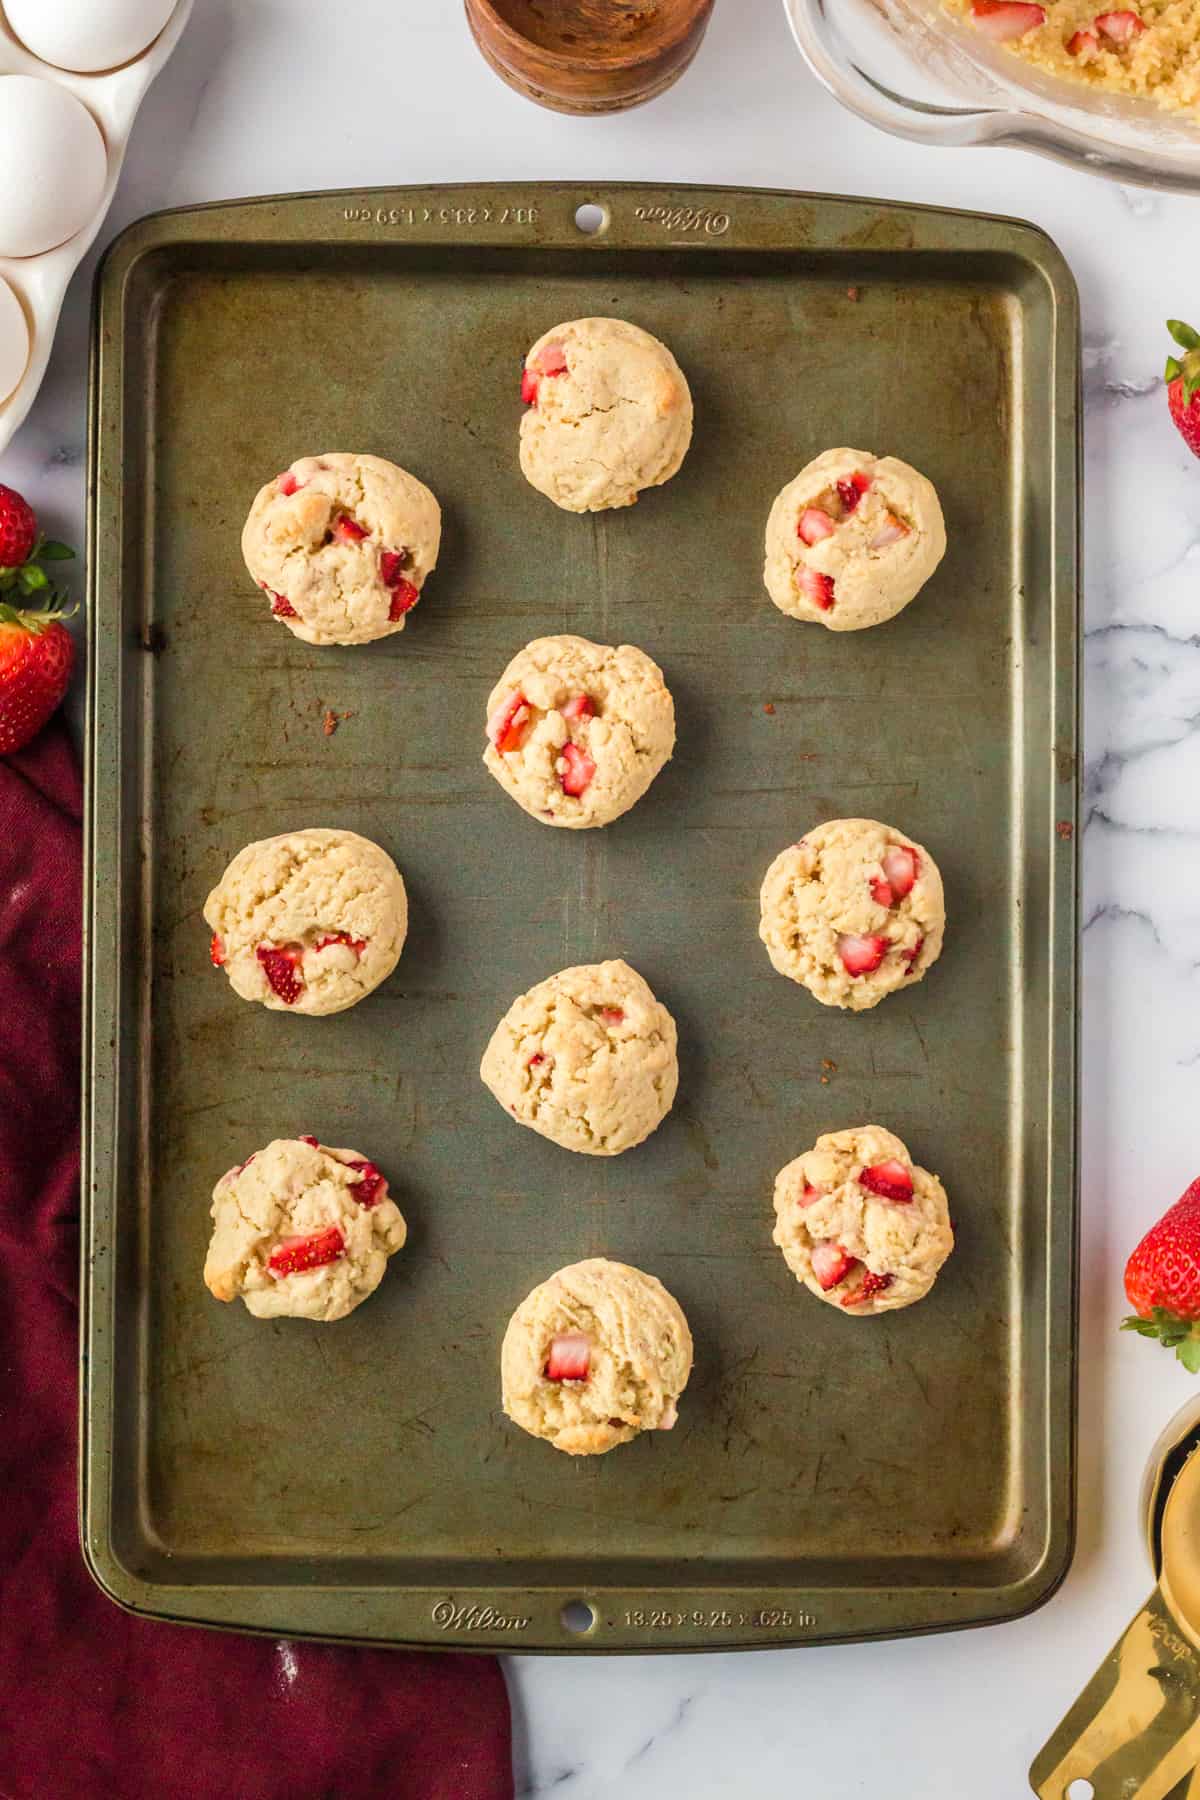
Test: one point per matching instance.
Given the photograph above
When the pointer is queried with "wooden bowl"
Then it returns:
(589, 56)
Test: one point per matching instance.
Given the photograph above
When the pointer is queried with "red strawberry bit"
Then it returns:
(881, 891)
(287, 483)
(861, 955)
(216, 951)
(234, 1173)
(1120, 27)
(309, 1140)
(529, 387)
(280, 964)
(831, 1264)
(851, 492)
(611, 1015)
(371, 1185)
(810, 1194)
(577, 776)
(910, 956)
(890, 1180)
(1082, 43)
(817, 587)
(900, 867)
(294, 1255)
(870, 1285)
(1002, 19)
(535, 1060)
(391, 567)
(358, 945)
(815, 525)
(551, 359)
(281, 606)
(510, 722)
(579, 706)
(404, 598)
(569, 1358)
(349, 530)
(890, 532)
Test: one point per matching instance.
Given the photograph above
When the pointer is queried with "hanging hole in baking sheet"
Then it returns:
(1080, 1790)
(591, 219)
(577, 1616)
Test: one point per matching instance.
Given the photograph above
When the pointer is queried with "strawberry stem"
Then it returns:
(1174, 1333)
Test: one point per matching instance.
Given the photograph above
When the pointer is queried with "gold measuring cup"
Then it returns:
(1134, 1732)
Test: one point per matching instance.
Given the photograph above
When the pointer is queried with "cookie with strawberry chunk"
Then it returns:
(595, 1355)
(860, 1224)
(608, 413)
(301, 1231)
(308, 922)
(341, 546)
(852, 539)
(853, 911)
(587, 1058)
(577, 731)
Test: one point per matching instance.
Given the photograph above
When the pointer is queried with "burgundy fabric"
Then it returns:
(94, 1703)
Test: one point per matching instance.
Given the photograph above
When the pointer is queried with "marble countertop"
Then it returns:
(258, 100)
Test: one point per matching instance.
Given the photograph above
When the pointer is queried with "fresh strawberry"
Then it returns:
(577, 775)
(281, 606)
(551, 359)
(371, 1185)
(1083, 43)
(1120, 27)
(831, 1264)
(529, 387)
(216, 951)
(881, 891)
(579, 706)
(349, 530)
(37, 653)
(294, 1255)
(817, 587)
(890, 1180)
(861, 955)
(280, 965)
(358, 945)
(851, 492)
(1001, 19)
(569, 1358)
(815, 525)
(870, 1285)
(287, 484)
(1162, 1280)
(18, 528)
(900, 867)
(890, 532)
(611, 1015)
(509, 723)
(1183, 383)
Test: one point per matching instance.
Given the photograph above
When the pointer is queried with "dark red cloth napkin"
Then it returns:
(94, 1703)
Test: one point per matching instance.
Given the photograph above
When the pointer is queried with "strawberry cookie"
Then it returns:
(852, 540)
(853, 911)
(301, 1231)
(588, 1058)
(859, 1224)
(577, 731)
(341, 545)
(308, 922)
(594, 1356)
(609, 413)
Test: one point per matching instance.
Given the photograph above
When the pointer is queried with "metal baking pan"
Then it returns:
(828, 1478)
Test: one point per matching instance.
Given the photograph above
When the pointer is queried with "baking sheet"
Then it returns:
(828, 1478)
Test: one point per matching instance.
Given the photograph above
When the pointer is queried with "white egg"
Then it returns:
(87, 35)
(54, 165)
(14, 341)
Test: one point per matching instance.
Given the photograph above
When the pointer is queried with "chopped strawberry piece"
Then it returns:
(570, 1355)
(831, 1264)
(890, 1180)
(535, 1059)
(509, 723)
(391, 567)
(861, 955)
(280, 965)
(371, 1185)
(1081, 42)
(890, 532)
(281, 606)
(670, 1415)
(306, 1139)
(1001, 19)
(286, 483)
(851, 492)
(551, 359)
(910, 956)
(294, 1255)
(349, 530)
(818, 587)
(358, 945)
(900, 866)
(216, 951)
(611, 1015)
(404, 598)
(1120, 26)
(815, 525)
(235, 1172)
(579, 706)
(881, 892)
(810, 1194)
(529, 387)
(577, 775)
(870, 1285)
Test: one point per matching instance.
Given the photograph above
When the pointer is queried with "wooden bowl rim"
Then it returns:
(558, 59)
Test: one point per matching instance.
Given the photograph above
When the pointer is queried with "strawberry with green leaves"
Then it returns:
(1162, 1281)
(1183, 383)
(37, 651)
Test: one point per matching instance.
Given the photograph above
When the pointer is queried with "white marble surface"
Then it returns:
(273, 95)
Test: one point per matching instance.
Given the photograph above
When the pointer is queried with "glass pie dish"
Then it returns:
(920, 72)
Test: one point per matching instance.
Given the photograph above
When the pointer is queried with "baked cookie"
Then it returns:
(595, 1355)
(859, 1224)
(301, 1230)
(587, 1058)
(852, 540)
(342, 545)
(853, 911)
(577, 731)
(609, 414)
(308, 922)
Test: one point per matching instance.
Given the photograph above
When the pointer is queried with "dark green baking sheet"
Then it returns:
(829, 1478)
